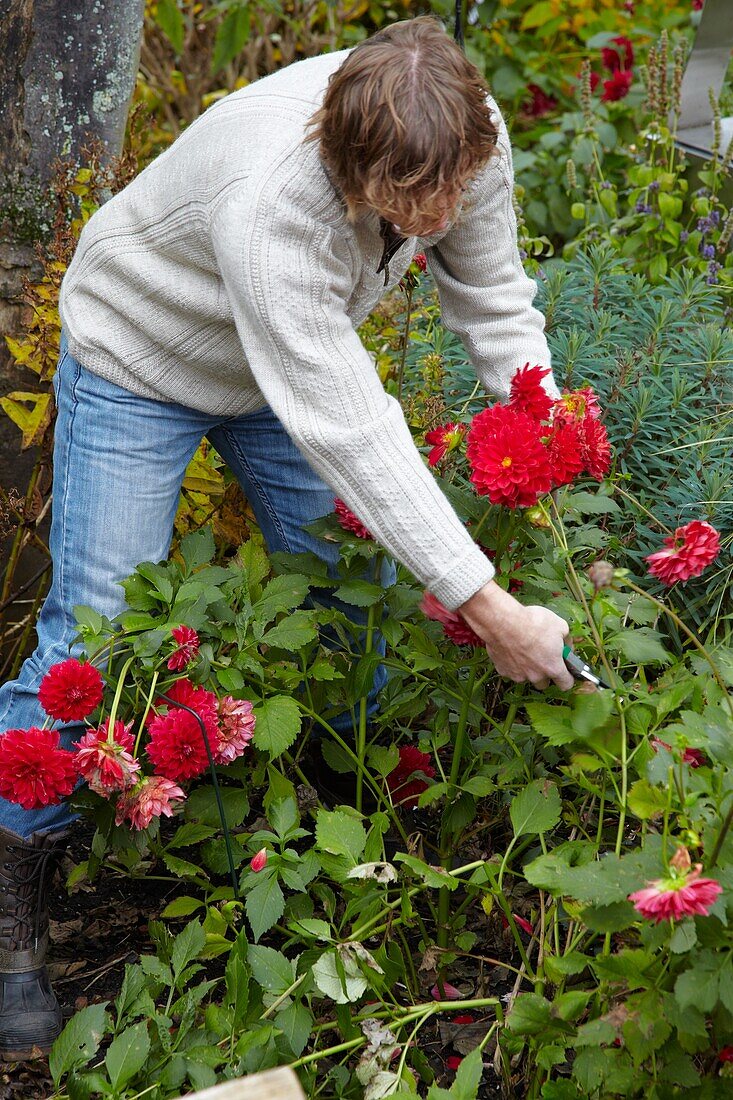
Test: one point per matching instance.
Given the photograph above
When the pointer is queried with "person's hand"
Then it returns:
(525, 643)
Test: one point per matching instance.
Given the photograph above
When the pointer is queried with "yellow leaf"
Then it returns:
(32, 420)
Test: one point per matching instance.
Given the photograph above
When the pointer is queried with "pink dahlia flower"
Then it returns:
(153, 796)
(236, 728)
(107, 764)
(683, 893)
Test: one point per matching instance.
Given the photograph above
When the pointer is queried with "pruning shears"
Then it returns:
(578, 668)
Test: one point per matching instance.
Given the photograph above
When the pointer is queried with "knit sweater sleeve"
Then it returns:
(485, 296)
(288, 278)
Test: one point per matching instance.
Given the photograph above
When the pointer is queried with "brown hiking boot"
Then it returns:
(30, 1017)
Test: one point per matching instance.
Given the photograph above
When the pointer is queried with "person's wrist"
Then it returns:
(489, 609)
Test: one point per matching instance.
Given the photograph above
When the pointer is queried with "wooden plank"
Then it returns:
(273, 1084)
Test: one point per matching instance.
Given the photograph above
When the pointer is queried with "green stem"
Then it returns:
(405, 339)
(446, 856)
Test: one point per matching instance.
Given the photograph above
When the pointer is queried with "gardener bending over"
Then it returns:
(218, 295)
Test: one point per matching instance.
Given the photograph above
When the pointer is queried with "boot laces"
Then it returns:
(30, 873)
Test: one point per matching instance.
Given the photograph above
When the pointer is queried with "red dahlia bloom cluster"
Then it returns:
(515, 457)
(618, 60)
(70, 690)
(34, 770)
(349, 521)
(405, 789)
(689, 551)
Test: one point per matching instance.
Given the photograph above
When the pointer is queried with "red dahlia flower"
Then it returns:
(539, 103)
(618, 56)
(577, 405)
(564, 446)
(595, 450)
(453, 1061)
(188, 647)
(349, 521)
(421, 261)
(153, 796)
(528, 394)
(681, 894)
(444, 440)
(618, 86)
(509, 463)
(404, 789)
(34, 770)
(70, 690)
(236, 728)
(107, 764)
(689, 551)
(176, 746)
(696, 758)
(455, 626)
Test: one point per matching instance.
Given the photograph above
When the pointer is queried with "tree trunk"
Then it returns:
(67, 73)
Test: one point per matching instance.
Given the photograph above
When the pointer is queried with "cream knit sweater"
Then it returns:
(226, 277)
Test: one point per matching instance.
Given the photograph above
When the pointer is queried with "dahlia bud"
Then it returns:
(258, 862)
(537, 517)
(600, 574)
(681, 860)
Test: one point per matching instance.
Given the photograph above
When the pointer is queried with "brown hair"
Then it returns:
(405, 124)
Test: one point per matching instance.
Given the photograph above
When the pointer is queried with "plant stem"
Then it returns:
(446, 854)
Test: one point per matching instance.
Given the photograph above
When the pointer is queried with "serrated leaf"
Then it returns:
(198, 547)
(278, 723)
(79, 1041)
(591, 504)
(436, 877)
(127, 1055)
(641, 646)
(191, 832)
(292, 633)
(536, 809)
(187, 946)
(201, 806)
(270, 968)
(552, 723)
(359, 593)
(265, 905)
(281, 594)
(340, 834)
(182, 907)
(296, 1023)
(327, 974)
(646, 801)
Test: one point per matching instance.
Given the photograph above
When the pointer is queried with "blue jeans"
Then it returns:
(119, 461)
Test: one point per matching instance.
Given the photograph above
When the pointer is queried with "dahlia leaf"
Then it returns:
(127, 1054)
(551, 722)
(264, 905)
(270, 968)
(340, 834)
(182, 907)
(79, 1041)
(359, 593)
(201, 806)
(642, 646)
(536, 809)
(282, 593)
(295, 1022)
(293, 632)
(187, 946)
(197, 549)
(278, 724)
(436, 877)
(590, 504)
